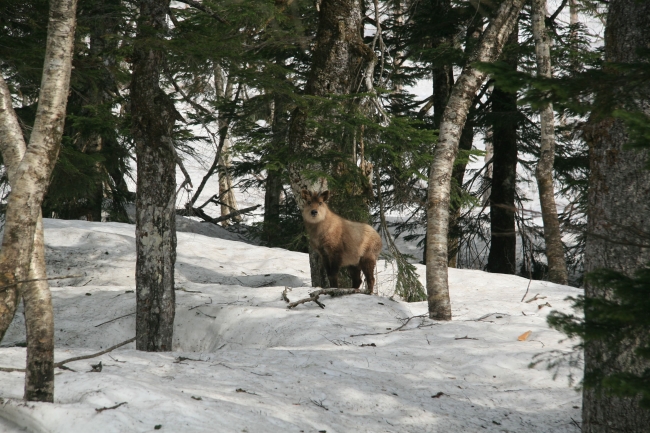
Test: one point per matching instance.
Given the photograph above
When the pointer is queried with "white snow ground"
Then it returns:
(242, 362)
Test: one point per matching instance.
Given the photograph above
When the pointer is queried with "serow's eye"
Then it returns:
(320, 203)
(308, 203)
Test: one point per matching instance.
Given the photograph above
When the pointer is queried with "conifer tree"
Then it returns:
(505, 119)
(619, 200)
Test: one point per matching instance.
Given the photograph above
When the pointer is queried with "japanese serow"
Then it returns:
(340, 242)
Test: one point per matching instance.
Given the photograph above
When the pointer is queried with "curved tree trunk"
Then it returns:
(153, 122)
(451, 127)
(557, 271)
(29, 169)
(619, 205)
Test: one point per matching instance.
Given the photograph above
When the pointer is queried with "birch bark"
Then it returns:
(453, 121)
(224, 89)
(557, 271)
(29, 170)
(153, 122)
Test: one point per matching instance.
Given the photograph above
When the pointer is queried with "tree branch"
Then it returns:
(195, 211)
(77, 358)
(205, 9)
(313, 296)
(3, 288)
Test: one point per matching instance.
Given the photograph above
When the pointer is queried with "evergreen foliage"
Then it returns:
(619, 315)
(614, 320)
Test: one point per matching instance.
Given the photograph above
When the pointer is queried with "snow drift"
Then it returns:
(242, 362)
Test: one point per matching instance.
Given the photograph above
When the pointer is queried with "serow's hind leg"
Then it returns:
(355, 276)
(368, 267)
(332, 267)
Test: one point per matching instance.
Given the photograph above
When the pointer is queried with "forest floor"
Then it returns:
(243, 362)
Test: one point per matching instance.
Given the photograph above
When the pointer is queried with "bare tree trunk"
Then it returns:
(503, 240)
(458, 174)
(573, 12)
(338, 59)
(453, 121)
(619, 205)
(466, 138)
(557, 271)
(153, 121)
(443, 81)
(29, 170)
(224, 88)
(39, 321)
(273, 185)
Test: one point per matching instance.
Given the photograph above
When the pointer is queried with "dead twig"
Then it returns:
(337, 342)
(285, 298)
(319, 403)
(201, 305)
(313, 296)
(60, 364)
(485, 316)
(528, 287)
(102, 409)
(535, 298)
(182, 358)
(576, 423)
(3, 288)
(199, 311)
(113, 320)
(94, 355)
(195, 211)
(183, 289)
(465, 338)
(10, 369)
(406, 321)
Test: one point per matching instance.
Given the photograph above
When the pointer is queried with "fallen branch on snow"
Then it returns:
(313, 296)
(102, 409)
(113, 320)
(195, 211)
(284, 295)
(60, 364)
(407, 320)
(3, 288)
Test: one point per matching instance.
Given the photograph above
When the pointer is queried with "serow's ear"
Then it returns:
(325, 195)
(306, 195)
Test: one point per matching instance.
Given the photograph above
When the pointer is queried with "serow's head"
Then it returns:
(315, 207)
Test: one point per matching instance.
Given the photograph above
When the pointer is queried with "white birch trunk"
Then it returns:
(153, 116)
(226, 193)
(29, 170)
(453, 120)
(557, 271)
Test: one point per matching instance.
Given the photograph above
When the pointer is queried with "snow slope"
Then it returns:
(242, 362)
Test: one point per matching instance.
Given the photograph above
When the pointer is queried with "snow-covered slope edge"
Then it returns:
(243, 362)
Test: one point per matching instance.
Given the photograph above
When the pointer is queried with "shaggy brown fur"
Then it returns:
(340, 242)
